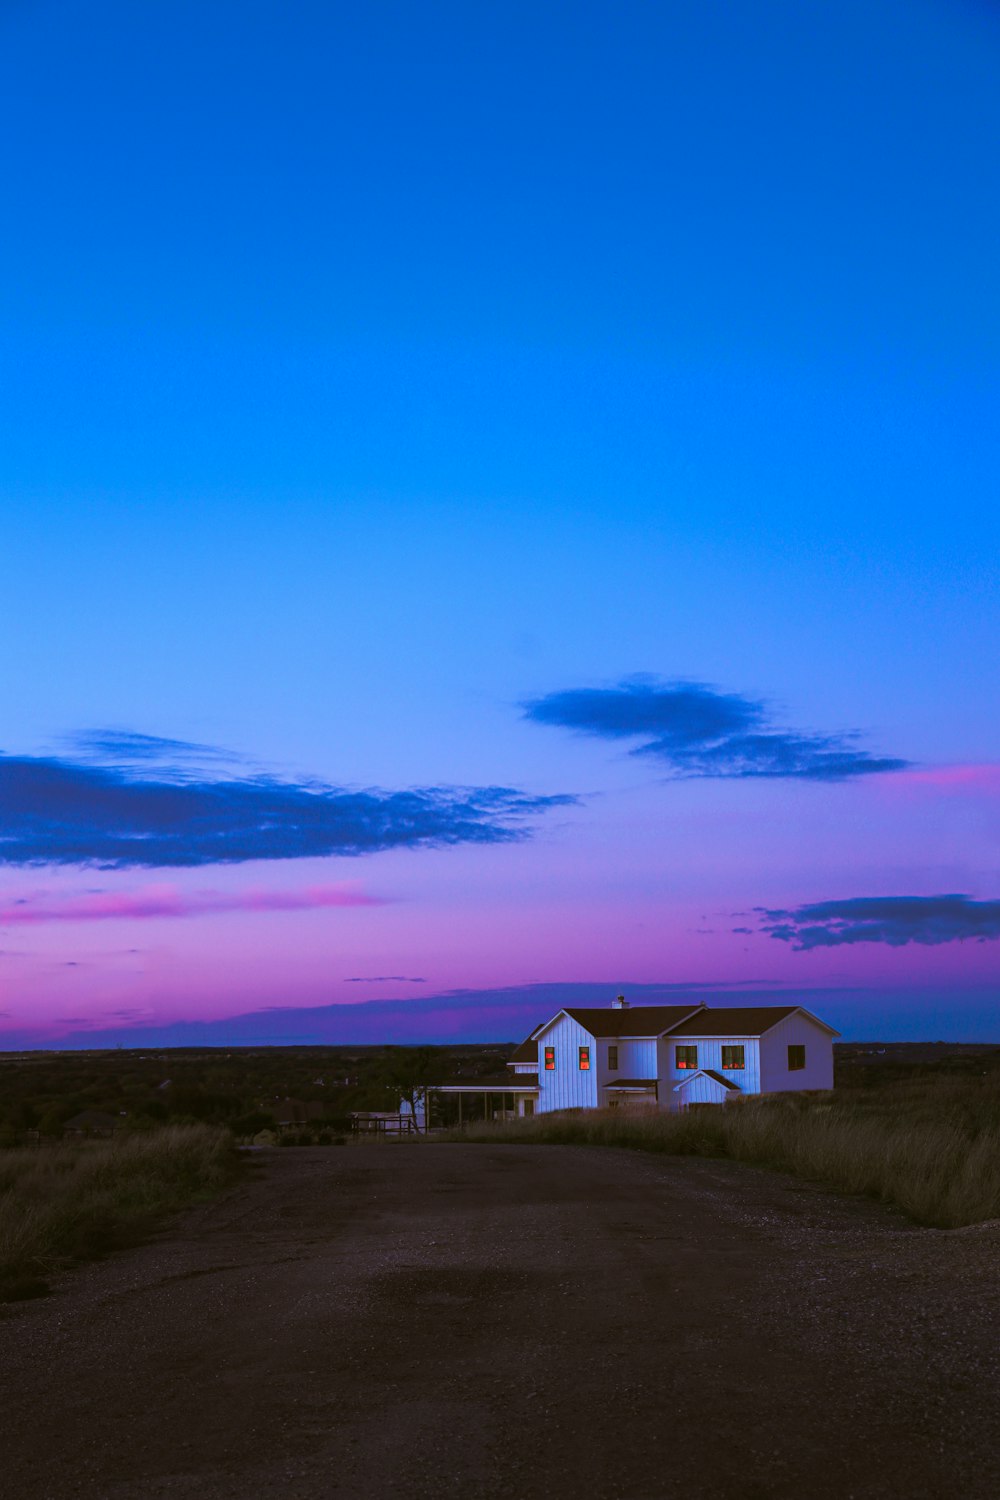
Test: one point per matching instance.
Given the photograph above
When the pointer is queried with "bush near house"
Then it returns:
(929, 1146)
(76, 1201)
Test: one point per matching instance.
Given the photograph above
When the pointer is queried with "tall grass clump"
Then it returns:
(69, 1203)
(940, 1165)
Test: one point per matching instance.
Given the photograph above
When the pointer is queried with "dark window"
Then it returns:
(612, 1058)
(550, 1059)
(686, 1057)
(796, 1059)
(733, 1057)
(584, 1059)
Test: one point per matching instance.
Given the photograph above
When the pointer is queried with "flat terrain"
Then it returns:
(510, 1322)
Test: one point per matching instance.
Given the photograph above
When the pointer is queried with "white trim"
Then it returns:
(730, 1088)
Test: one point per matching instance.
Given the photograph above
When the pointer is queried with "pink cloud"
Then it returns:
(167, 901)
(983, 777)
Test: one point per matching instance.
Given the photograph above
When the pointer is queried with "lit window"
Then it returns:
(732, 1057)
(584, 1059)
(796, 1059)
(612, 1058)
(550, 1059)
(686, 1057)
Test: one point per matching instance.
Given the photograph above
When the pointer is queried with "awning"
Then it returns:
(527, 1083)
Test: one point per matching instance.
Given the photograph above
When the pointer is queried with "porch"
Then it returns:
(483, 1099)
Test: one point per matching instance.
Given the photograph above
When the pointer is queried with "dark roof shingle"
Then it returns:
(727, 1083)
(631, 1020)
(735, 1020)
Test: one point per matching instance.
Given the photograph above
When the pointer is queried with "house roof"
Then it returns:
(491, 1085)
(630, 1020)
(735, 1020)
(91, 1119)
(632, 1083)
(527, 1052)
(726, 1083)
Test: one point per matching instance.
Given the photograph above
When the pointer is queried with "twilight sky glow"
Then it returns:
(499, 504)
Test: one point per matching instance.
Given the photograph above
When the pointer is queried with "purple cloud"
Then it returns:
(698, 731)
(896, 920)
(166, 901)
(58, 811)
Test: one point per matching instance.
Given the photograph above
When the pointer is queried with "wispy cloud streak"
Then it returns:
(973, 779)
(384, 979)
(166, 901)
(59, 811)
(698, 731)
(896, 920)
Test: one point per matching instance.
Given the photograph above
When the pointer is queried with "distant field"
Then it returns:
(69, 1203)
(928, 1144)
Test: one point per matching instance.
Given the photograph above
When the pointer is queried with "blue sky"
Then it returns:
(368, 373)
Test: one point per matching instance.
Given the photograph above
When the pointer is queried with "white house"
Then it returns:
(659, 1057)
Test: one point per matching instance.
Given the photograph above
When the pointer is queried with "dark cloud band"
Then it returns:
(60, 811)
(896, 920)
(696, 730)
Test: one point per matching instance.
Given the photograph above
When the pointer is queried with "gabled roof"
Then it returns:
(527, 1052)
(739, 1020)
(630, 1020)
(726, 1083)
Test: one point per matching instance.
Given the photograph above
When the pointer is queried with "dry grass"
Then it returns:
(930, 1149)
(73, 1202)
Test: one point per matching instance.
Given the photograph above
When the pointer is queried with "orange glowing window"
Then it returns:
(733, 1057)
(686, 1057)
(584, 1059)
(550, 1059)
(796, 1059)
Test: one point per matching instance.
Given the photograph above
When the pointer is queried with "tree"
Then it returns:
(409, 1072)
(252, 1124)
(51, 1123)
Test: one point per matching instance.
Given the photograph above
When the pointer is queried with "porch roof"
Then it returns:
(632, 1083)
(726, 1083)
(505, 1083)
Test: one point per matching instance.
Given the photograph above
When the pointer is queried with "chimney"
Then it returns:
(619, 1003)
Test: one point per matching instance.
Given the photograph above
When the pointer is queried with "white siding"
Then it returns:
(747, 1079)
(796, 1030)
(701, 1090)
(528, 1067)
(636, 1059)
(567, 1086)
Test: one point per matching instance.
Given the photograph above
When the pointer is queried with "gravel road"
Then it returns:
(512, 1322)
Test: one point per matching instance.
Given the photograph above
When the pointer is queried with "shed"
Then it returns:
(91, 1122)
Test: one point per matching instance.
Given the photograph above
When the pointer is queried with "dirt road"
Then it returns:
(505, 1323)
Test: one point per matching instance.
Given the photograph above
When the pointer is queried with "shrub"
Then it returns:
(72, 1202)
(934, 1153)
